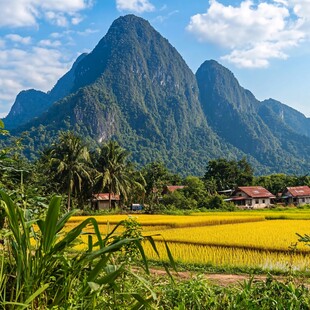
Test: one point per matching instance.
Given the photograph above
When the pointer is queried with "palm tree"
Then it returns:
(69, 162)
(115, 172)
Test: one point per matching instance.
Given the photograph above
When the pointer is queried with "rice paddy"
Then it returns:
(234, 239)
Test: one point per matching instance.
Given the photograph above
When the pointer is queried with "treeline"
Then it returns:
(70, 168)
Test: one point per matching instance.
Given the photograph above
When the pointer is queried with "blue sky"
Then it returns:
(265, 43)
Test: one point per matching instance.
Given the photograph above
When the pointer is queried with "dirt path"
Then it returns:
(216, 278)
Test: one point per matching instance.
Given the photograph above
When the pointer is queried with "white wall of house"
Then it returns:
(303, 200)
(253, 203)
(260, 203)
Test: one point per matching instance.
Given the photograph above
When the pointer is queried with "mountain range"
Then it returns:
(134, 87)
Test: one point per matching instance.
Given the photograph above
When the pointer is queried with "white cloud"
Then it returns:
(18, 39)
(21, 13)
(65, 5)
(254, 33)
(302, 7)
(38, 67)
(87, 32)
(162, 18)
(49, 43)
(138, 6)
(76, 20)
(56, 35)
(255, 57)
(58, 19)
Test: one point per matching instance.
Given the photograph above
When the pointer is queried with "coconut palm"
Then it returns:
(114, 171)
(69, 163)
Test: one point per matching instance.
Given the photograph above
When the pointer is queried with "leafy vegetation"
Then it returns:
(67, 163)
(41, 268)
(136, 89)
(51, 261)
(197, 293)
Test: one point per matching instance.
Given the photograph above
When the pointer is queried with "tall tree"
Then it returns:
(115, 172)
(69, 163)
(229, 173)
(156, 176)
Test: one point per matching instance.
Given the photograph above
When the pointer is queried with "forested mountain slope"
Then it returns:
(134, 87)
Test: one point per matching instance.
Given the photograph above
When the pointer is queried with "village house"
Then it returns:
(251, 197)
(297, 195)
(101, 201)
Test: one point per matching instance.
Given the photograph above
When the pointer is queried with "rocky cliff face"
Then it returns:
(295, 120)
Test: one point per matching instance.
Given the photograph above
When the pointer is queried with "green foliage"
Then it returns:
(217, 202)
(188, 294)
(197, 293)
(133, 230)
(68, 163)
(228, 174)
(157, 175)
(194, 188)
(40, 267)
(115, 173)
(178, 200)
(276, 183)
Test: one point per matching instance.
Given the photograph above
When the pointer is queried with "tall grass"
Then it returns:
(39, 268)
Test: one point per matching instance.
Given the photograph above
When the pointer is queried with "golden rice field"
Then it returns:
(267, 235)
(231, 257)
(235, 239)
(174, 220)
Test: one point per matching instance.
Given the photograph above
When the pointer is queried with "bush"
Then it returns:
(216, 202)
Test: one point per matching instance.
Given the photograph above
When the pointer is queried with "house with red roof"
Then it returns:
(252, 197)
(297, 195)
(101, 201)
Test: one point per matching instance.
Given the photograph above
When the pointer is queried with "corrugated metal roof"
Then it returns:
(256, 191)
(298, 191)
(105, 196)
(172, 188)
(237, 198)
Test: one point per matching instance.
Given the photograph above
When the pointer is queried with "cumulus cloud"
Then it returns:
(302, 9)
(87, 32)
(75, 20)
(21, 13)
(162, 18)
(49, 43)
(138, 6)
(254, 33)
(42, 68)
(18, 39)
(58, 19)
